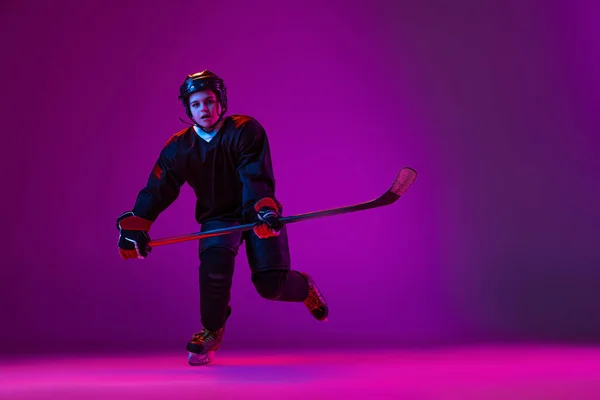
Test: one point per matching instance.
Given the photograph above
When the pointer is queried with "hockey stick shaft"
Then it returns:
(403, 181)
(247, 227)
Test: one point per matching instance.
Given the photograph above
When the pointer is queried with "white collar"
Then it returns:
(207, 136)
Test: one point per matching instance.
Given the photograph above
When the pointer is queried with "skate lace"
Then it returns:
(314, 300)
(204, 336)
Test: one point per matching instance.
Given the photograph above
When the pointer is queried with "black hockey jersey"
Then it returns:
(229, 174)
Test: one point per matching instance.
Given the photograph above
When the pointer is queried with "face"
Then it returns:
(205, 108)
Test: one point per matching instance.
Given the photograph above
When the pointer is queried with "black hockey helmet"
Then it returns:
(205, 80)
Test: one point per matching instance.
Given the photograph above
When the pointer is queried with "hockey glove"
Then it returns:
(267, 216)
(133, 243)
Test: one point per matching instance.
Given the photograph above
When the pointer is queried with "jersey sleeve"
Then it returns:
(163, 185)
(255, 168)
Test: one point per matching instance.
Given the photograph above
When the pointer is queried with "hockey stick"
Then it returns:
(403, 181)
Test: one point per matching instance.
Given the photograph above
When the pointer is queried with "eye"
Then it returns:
(210, 101)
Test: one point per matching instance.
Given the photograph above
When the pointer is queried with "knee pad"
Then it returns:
(269, 284)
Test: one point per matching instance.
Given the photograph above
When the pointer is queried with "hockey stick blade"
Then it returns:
(403, 181)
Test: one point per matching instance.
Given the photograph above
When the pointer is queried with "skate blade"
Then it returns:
(201, 359)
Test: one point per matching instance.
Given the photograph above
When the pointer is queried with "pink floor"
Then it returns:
(459, 373)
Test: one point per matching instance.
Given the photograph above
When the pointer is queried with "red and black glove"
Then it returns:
(268, 216)
(133, 243)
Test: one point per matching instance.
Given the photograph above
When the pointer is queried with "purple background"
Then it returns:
(495, 106)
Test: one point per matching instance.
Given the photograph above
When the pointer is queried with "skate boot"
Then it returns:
(203, 345)
(315, 302)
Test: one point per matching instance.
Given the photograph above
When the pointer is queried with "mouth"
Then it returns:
(205, 117)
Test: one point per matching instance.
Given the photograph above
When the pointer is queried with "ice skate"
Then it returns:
(315, 302)
(203, 345)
